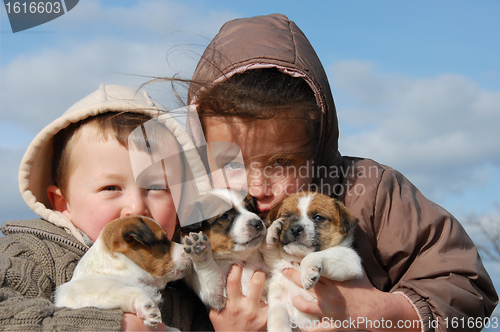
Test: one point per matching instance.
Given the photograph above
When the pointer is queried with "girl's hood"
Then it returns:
(271, 41)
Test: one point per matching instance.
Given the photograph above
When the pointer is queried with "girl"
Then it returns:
(259, 84)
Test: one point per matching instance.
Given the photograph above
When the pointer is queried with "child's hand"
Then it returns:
(242, 313)
(131, 322)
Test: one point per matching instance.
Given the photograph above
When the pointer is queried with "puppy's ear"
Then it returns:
(250, 203)
(202, 209)
(193, 218)
(273, 214)
(139, 233)
(347, 222)
(195, 228)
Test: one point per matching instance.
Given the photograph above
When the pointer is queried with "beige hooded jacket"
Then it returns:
(407, 243)
(38, 255)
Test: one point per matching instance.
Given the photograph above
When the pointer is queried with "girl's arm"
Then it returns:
(412, 250)
(356, 305)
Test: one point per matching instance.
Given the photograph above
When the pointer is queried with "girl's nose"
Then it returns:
(135, 204)
(258, 186)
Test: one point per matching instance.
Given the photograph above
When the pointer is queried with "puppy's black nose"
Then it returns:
(296, 230)
(257, 223)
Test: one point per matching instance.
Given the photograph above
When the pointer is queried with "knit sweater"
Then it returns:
(37, 256)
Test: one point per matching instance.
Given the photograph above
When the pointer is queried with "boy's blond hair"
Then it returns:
(117, 125)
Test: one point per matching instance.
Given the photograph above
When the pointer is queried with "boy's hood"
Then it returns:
(35, 169)
(271, 41)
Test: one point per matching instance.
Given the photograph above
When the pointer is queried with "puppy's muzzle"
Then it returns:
(293, 233)
(257, 224)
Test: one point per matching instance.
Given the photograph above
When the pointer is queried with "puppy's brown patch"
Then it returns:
(250, 203)
(201, 212)
(337, 224)
(339, 221)
(217, 227)
(217, 230)
(143, 241)
(286, 208)
(221, 243)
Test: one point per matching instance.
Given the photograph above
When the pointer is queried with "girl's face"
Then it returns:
(274, 152)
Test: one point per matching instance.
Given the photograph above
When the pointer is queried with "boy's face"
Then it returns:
(102, 187)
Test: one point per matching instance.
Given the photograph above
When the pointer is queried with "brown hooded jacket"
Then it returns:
(407, 243)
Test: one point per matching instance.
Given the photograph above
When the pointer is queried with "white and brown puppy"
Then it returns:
(313, 234)
(131, 260)
(229, 233)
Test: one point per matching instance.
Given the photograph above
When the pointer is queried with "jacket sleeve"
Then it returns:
(181, 308)
(26, 289)
(429, 257)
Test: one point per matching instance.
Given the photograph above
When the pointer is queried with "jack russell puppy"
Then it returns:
(127, 266)
(311, 233)
(229, 233)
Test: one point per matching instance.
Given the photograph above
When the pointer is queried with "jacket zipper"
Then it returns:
(44, 234)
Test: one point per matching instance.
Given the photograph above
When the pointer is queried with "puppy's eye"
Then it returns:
(319, 218)
(224, 217)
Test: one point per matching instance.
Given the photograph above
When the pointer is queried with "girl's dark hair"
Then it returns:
(263, 94)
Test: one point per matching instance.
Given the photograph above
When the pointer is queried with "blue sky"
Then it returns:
(416, 83)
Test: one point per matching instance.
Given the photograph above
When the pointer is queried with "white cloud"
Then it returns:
(41, 87)
(484, 229)
(103, 45)
(144, 18)
(440, 131)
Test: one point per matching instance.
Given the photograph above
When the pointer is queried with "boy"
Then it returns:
(77, 176)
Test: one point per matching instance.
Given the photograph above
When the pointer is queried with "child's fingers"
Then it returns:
(241, 313)
(293, 275)
(256, 286)
(307, 307)
(233, 286)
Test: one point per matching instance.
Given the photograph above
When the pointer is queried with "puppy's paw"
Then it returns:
(219, 302)
(148, 312)
(197, 246)
(273, 233)
(310, 270)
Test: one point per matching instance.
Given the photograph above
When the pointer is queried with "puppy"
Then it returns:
(229, 233)
(131, 260)
(311, 233)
